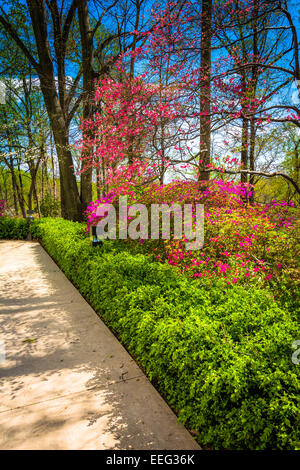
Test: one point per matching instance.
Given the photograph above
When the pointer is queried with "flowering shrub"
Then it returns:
(243, 243)
(92, 218)
(215, 193)
(282, 213)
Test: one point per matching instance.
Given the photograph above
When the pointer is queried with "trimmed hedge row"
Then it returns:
(221, 357)
(13, 228)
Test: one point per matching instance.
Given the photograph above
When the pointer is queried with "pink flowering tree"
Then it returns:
(129, 112)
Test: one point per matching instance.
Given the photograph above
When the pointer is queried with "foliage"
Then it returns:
(13, 228)
(49, 206)
(3, 205)
(220, 354)
(244, 244)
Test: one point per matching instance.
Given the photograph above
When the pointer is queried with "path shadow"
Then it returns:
(53, 336)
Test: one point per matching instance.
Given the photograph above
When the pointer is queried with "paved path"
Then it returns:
(66, 382)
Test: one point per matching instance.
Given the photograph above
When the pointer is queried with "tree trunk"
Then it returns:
(254, 86)
(205, 88)
(252, 156)
(88, 87)
(21, 193)
(52, 166)
(244, 150)
(18, 188)
(33, 168)
(70, 201)
(14, 185)
(134, 41)
(296, 153)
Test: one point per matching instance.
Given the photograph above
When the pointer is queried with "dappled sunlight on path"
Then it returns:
(66, 382)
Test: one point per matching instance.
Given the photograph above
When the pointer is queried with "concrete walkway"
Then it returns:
(65, 381)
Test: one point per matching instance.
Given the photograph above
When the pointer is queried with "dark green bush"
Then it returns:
(220, 356)
(13, 228)
(49, 206)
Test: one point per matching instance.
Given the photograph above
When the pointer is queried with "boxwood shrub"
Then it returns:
(220, 356)
(13, 228)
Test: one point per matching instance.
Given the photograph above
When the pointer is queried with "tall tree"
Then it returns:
(54, 91)
(205, 88)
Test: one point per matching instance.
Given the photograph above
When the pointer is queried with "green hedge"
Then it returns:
(221, 357)
(13, 228)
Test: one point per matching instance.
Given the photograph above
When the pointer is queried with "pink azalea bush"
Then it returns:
(243, 243)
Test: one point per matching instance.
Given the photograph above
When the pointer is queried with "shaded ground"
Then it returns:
(66, 382)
